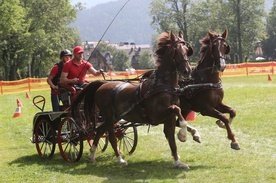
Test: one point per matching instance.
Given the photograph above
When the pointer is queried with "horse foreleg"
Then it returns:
(113, 142)
(182, 134)
(169, 134)
(195, 133)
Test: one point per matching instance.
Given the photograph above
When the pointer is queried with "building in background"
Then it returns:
(104, 60)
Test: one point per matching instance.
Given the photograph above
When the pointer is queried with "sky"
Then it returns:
(90, 3)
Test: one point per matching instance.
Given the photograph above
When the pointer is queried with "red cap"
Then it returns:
(78, 49)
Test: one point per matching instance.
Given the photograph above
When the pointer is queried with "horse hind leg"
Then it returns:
(230, 134)
(91, 157)
(99, 132)
(113, 142)
(226, 109)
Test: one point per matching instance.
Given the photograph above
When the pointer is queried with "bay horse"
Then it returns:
(153, 101)
(207, 98)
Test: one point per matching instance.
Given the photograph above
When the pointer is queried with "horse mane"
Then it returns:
(206, 41)
(163, 42)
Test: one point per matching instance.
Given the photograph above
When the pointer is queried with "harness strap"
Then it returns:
(120, 116)
(138, 93)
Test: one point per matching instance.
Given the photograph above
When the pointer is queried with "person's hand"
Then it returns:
(102, 73)
(75, 80)
(55, 87)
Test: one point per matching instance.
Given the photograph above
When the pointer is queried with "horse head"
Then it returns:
(172, 53)
(219, 49)
(213, 51)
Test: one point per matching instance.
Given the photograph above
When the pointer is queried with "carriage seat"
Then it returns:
(67, 92)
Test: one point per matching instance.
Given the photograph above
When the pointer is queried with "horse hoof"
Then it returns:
(197, 139)
(182, 166)
(123, 163)
(235, 145)
(182, 135)
(220, 124)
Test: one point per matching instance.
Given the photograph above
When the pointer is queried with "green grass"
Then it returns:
(213, 160)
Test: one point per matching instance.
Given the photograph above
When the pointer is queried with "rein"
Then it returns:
(183, 90)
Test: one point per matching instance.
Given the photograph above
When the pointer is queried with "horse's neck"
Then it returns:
(205, 72)
(167, 77)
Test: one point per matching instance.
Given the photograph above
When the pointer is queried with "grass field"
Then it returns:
(213, 160)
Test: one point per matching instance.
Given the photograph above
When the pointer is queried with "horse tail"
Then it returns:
(87, 97)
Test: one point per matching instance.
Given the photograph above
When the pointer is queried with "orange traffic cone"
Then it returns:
(191, 116)
(17, 112)
(269, 78)
(19, 104)
(27, 95)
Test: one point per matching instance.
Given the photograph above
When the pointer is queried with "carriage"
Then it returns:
(119, 100)
(51, 128)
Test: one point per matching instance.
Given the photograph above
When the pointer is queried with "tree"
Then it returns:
(32, 35)
(49, 31)
(120, 60)
(146, 61)
(270, 42)
(247, 25)
(243, 19)
(204, 16)
(170, 15)
(12, 29)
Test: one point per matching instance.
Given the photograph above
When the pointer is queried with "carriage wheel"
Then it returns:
(102, 144)
(44, 138)
(70, 140)
(127, 139)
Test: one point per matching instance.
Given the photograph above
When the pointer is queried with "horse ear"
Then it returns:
(210, 34)
(180, 34)
(171, 35)
(190, 51)
(227, 50)
(225, 34)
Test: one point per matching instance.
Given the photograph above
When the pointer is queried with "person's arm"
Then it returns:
(93, 71)
(49, 81)
(65, 80)
(52, 74)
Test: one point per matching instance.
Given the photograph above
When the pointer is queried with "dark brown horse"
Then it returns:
(206, 93)
(153, 101)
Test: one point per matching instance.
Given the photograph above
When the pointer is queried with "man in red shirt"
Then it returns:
(54, 77)
(74, 70)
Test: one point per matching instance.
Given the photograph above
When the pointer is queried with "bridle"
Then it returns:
(214, 58)
(219, 40)
(172, 49)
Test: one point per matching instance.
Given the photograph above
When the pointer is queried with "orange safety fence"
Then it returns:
(246, 69)
(29, 84)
